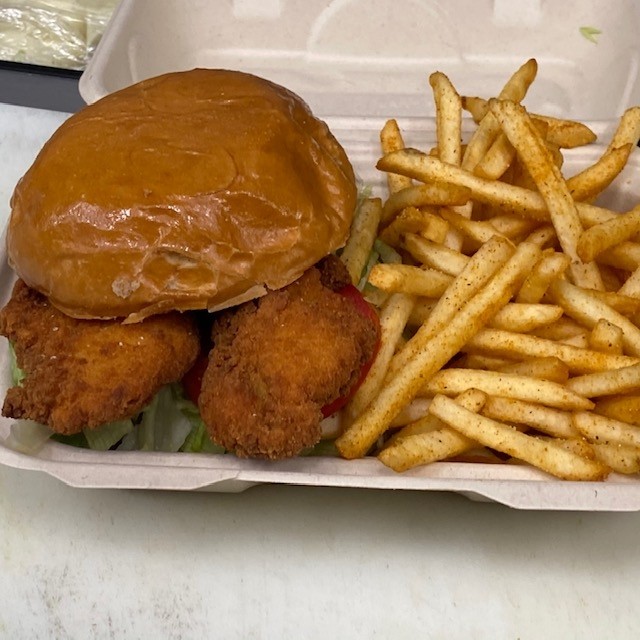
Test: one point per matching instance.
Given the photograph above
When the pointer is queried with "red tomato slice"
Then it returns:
(364, 308)
(192, 381)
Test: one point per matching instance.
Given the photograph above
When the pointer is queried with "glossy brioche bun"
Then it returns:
(191, 190)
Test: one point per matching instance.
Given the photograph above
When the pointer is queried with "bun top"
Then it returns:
(191, 190)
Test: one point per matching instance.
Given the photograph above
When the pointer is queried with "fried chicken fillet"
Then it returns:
(84, 373)
(278, 360)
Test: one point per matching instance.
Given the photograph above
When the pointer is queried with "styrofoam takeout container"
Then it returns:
(357, 62)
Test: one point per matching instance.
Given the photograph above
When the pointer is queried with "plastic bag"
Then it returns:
(53, 33)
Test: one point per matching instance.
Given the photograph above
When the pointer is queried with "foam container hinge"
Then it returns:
(357, 62)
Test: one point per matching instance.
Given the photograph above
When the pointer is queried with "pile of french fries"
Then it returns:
(510, 318)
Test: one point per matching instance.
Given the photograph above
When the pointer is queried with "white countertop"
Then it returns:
(294, 562)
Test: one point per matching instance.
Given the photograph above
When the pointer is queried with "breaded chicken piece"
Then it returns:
(84, 373)
(277, 361)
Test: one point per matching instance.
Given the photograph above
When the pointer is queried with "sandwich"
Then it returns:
(181, 234)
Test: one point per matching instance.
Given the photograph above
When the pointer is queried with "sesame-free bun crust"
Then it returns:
(191, 190)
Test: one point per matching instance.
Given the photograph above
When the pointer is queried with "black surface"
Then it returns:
(31, 85)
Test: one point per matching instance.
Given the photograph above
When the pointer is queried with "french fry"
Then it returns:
(497, 159)
(484, 265)
(418, 221)
(605, 235)
(550, 267)
(434, 255)
(628, 131)
(625, 256)
(553, 422)
(631, 287)
(448, 118)
(429, 440)
(516, 124)
(567, 134)
(544, 368)
(587, 310)
(548, 456)
(606, 383)
(598, 428)
(593, 180)
(509, 198)
(517, 346)
(473, 361)
(415, 410)
(515, 89)
(393, 319)
(620, 458)
(422, 364)
(507, 385)
(421, 195)
(391, 140)
(476, 230)
(514, 226)
(606, 337)
(625, 408)
(542, 236)
(404, 278)
(560, 330)
(523, 318)
(363, 234)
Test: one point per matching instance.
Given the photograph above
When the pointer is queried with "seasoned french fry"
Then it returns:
(404, 278)
(544, 368)
(542, 236)
(628, 131)
(391, 140)
(619, 457)
(506, 385)
(363, 234)
(560, 330)
(567, 134)
(430, 358)
(487, 261)
(517, 346)
(413, 220)
(532, 152)
(430, 440)
(514, 226)
(421, 195)
(497, 159)
(602, 429)
(448, 118)
(606, 337)
(393, 319)
(548, 456)
(605, 235)
(606, 383)
(550, 267)
(625, 408)
(596, 178)
(525, 317)
(553, 422)
(515, 89)
(474, 229)
(587, 309)
(473, 361)
(434, 255)
(631, 287)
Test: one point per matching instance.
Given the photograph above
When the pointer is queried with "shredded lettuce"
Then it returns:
(107, 435)
(590, 33)
(387, 254)
(17, 374)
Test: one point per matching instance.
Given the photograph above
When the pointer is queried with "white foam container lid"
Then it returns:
(358, 62)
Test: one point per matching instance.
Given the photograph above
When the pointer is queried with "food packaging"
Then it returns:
(588, 69)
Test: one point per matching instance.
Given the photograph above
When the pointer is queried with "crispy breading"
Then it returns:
(84, 373)
(277, 361)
